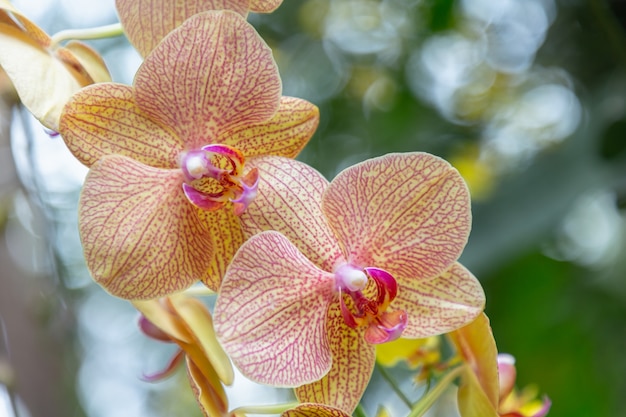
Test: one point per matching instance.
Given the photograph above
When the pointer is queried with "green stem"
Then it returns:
(383, 372)
(264, 409)
(100, 32)
(427, 401)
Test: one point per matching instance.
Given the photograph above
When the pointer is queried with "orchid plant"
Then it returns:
(192, 179)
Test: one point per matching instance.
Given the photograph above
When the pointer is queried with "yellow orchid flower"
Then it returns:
(168, 155)
(44, 73)
(146, 22)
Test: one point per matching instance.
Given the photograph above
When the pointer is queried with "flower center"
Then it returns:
(214, 176)
(382, 326)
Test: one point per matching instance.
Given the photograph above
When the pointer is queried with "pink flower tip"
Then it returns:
(387, 328)
(249, 185)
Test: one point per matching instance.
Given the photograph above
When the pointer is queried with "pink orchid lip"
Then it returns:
(240, 190)
(152, 331)
(382, 326)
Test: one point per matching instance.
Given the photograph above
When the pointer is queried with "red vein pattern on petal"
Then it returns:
(314, 410)
(213, 73)
(270, 316)
(440, 305)
(406, 213)
(225, 230)
(102, 119)
(146, 22)
(264, 6)
(285, 134)
(288, 201)
(353, 364)
(141, 237)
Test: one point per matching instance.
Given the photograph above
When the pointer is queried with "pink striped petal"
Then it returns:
(212, 74)
(285, 134)
(264, 6)
(227, 236)
(353, 363)
(146, 22)
(288, 201)
(441, 305)
(141, 237)
(103, 119)
(270, 316)
(406, 213)
(314, 410)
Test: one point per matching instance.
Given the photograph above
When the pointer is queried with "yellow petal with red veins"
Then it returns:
(353, 363)
(141, 237)
(208, 390)
(314, 410)
(440, 305)
(200, 325)
(227, 235)
(477, 346)
(270, 315)
(103, 119)
(212, 74)
(264, 6)
(146, 22)
(285, 134)
(288, 201)
(406, 213)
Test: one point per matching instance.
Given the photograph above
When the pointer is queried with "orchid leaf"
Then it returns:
(285, 134)
(212, 74)
(440, 305)
(409, 213)
(270, 315)
(141, 237)
(103, 119)
(353, 363)
(289, 201)
(147, 22)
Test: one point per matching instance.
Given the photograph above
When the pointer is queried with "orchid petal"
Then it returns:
(285, 134)
(141, 238)
(146, 22)
(202, 200)
(477, 346)
(103, 119)
(43, 83)
(391, 326)
(227, 235)
(288, 201)
(151, 330)
(472, 400)
(264, 6)
(208, 390)
(212, 74)
(200, 325)
(314, 410)
(161, 317)
(90, 60)
(440, 305)
(271, 313)
(507, 374)
(169, 369)
(353, 363)
(406, 213)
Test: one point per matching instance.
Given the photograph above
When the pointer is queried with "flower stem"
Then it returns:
(427, 401)
(99, 32)
(264, 409)
(383, 372)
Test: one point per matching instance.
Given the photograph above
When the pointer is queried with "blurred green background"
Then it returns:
(527, 98)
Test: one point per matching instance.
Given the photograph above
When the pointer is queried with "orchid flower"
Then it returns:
(168, 155)
(314, 410)
(146, 22)
(44, 74)
(488, 384)
(187, 322)
(350, 264)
